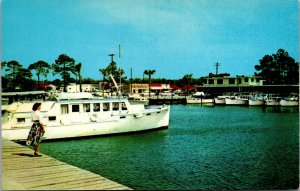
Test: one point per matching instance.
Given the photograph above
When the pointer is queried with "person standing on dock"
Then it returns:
(37, 129)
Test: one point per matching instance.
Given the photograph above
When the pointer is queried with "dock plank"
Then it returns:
(21, 171)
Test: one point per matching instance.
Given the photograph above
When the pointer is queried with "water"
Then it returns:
(222, 147)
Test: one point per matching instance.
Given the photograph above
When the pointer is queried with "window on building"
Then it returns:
(75, 108)
(86, 107)
(96, 107)
(246, 79)
(64, 109)
(105, 106)
(211, 81)
(220, 81)
(231, 81)
(239, 81)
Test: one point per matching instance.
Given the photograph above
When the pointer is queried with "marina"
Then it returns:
(21, 171)
(204, 148)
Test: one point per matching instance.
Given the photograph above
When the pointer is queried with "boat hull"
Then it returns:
(256, 102)
(220, 101)
(235, 101)
(272, 102)
(288, 102)
(199, 101)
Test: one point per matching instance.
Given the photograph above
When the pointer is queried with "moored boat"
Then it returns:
(199, 98)
(137, 99)
(219, 101)
(291, 100)
(237, 99)
(68, 118)
(257, 100)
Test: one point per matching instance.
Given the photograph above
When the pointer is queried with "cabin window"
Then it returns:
(211, 81)
(124, 106)
(96, 107)
(246, 79)
(21, 120)
(105, 106)
(75, 108)
(52, 118)
(115, 106)
(64, 109)
(86, 107)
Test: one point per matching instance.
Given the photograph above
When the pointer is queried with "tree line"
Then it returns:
(278, 68)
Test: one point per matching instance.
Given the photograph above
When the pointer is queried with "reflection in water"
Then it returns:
(278, 109)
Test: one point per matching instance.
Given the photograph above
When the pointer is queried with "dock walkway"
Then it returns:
(22, 171)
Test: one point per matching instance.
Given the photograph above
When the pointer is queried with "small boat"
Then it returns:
(137, 99)
(69, 116)
(199, 98)
(291, 100)
(257, 100)
(237, 99)
(272, 100)
(219, 101)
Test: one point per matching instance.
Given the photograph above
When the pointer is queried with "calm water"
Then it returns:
(222, 147)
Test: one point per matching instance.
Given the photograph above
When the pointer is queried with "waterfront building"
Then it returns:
(215, 81)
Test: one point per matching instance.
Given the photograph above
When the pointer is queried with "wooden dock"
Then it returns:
(22, 171)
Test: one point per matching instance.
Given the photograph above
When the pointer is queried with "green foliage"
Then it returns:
(64, 65)
(41, 67)
(16, 77)
(114, 71)
(279, 68)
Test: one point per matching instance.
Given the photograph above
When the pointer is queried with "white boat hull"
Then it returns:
(288, 102)
(272, 102)
(235, 101)
(199, 101)
(219, 101)
(256, 102)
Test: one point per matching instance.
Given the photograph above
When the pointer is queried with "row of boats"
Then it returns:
(247, 99)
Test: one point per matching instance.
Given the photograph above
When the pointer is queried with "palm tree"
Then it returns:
(149, 73)
(41, 68)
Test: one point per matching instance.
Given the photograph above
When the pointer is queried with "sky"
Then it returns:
(173, 37)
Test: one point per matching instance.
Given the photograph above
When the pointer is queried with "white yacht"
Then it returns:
(77, 116)
(272, 100)
(291, 100)
(257, 100)
(220, 100)
(199, 98)
(137, 99)
(237, 99)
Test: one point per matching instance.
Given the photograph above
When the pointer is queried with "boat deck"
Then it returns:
(22, 171)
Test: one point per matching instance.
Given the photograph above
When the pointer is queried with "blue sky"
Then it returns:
(173, 37)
